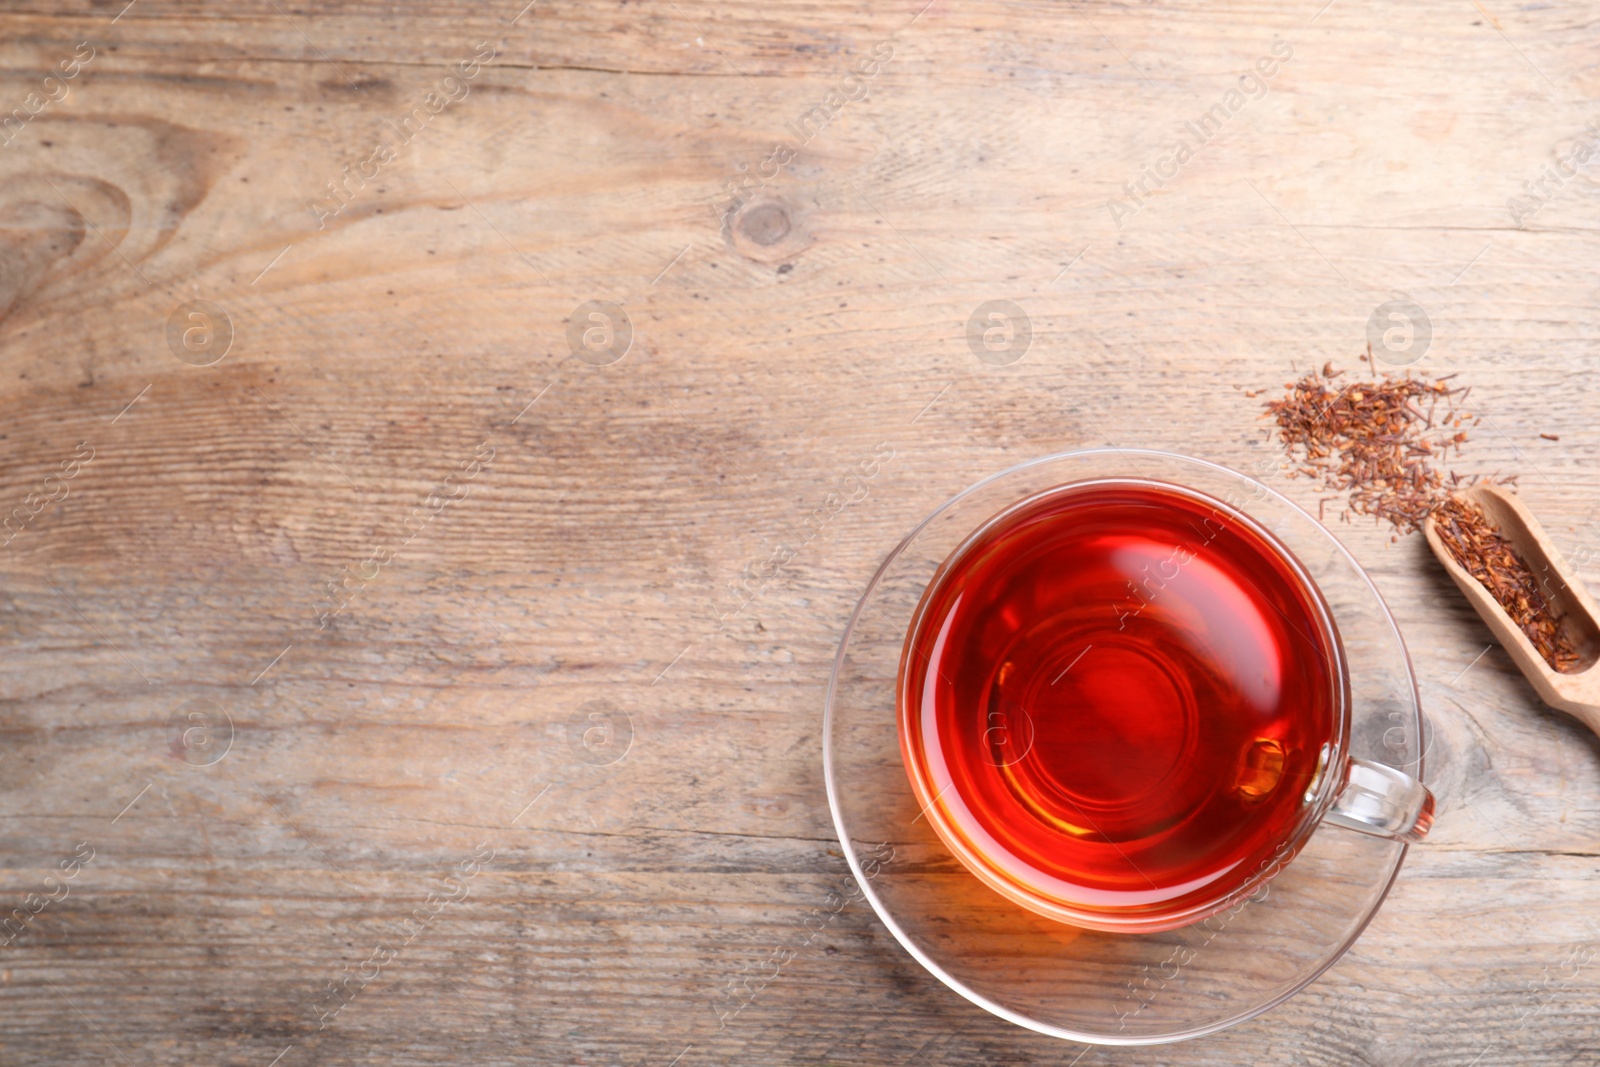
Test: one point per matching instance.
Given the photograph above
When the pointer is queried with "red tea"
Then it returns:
(1118, 696)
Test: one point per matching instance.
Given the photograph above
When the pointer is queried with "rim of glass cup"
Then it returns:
(910, 945)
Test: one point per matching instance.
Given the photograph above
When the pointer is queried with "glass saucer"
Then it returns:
(1083, 985)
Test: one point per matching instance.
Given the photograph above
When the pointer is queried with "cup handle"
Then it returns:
(1384, 802)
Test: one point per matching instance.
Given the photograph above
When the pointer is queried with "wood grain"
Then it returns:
(591, 560)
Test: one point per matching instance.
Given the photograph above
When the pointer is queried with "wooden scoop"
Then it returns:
(1576, 691)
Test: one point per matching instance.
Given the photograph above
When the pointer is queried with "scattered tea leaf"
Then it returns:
(1374, 440)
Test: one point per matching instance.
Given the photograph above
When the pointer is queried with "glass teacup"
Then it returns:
(1124, 704)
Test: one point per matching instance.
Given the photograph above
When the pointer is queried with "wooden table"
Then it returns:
(379, 597)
